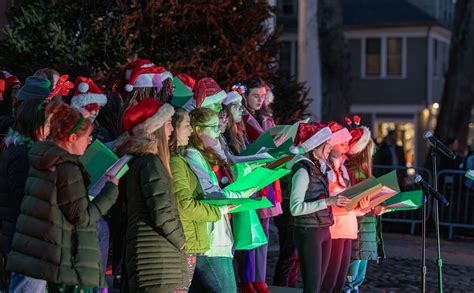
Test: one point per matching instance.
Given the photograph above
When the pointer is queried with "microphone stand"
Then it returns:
(434, 154)
(423, 242)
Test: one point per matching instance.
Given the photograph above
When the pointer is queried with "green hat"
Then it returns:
(182, 95)
(34, 87)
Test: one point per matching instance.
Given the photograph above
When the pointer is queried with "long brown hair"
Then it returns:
(178, 117)
(235, 131)
(163, 149)
(199, 118)
(362, 161)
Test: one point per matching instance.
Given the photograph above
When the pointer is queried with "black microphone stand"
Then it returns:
(423, 242)
(434, 156)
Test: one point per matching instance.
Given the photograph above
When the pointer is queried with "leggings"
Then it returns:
(314, 249)
(341, 250)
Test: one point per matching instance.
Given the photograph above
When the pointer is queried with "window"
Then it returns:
(394, 56)
(383, 57)
(285, 58)
(373, 57)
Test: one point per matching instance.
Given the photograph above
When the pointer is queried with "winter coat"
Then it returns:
(154, 255)
(309, 189)
(369, 237)
(13, 173)
(56, 237)
(220, 232)
(194, 215)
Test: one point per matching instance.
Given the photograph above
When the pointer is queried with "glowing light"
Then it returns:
(435, 106)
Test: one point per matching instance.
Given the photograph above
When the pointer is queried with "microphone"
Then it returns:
(428, 188)
(437, 144)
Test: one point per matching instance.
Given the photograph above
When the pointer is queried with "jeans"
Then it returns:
(23, 284)
(103, 235)
(213, 275)
(356, 275)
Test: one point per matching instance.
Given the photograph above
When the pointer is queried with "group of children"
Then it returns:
(183, 135)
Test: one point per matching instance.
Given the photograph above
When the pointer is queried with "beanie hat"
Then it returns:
(208, 92)
(187, 80)
(87, 93)
(340, 134)
(146, 116)
(309, 136)
(34, 87)
(182, 95)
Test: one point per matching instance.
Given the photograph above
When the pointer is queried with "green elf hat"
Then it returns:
(182, 95)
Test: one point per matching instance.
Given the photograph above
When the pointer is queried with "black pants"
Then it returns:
(314, 250)
(341, 250)
(287, 266)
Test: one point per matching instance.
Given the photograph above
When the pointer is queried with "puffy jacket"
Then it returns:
(13, 173)
(55, 237)
(194, 215)
(154, 255)
(310, 211)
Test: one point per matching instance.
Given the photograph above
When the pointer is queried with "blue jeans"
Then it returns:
(103, 235)
(23, 284)
(356, 275)
(213, 275)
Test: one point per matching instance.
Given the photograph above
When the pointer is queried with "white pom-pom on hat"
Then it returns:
(295, 149)
(83, 87)
(128, 87)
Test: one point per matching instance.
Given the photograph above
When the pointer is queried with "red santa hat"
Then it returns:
(7, 81)
(146, 116)
(87, 93)
(208, 92)
(164, 74)
(144, 77)
(360, 138)
(340, 134)
(187, 80)
(309, 136)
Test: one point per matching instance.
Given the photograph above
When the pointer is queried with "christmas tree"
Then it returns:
(228, 40)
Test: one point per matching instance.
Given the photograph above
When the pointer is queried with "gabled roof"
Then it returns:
(369, 13)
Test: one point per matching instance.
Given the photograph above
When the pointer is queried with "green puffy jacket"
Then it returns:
(154, 254)
(194, 215)
(56, 236)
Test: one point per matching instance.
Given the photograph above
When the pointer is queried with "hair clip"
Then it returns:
(240, 88)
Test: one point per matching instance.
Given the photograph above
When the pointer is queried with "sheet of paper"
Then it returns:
(245, 203)
(259, 178)
(118, 169)
(409, 200)
(265, 140)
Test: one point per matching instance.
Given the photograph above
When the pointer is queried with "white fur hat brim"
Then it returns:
(232, 97)
(340, 136)
(156, 121)
(214, 99)
(313, 142)
(82, 100)
(362, 143)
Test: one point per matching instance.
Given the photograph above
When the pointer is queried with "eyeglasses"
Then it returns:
(238, 107)
(213, 127)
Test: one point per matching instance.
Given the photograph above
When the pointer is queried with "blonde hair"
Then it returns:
(163, 149)
(362, 161)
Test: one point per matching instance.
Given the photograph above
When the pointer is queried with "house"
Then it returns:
(399, 54)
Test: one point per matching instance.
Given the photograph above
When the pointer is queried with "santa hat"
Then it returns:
(164, 74)
(309, 136)
(144, 77)
(187, 80)
(208, 92)
(360, 138)
(340, 134)
(235, 95)
(146, 116)
(139, 63)
(87, 93)
(7, 81)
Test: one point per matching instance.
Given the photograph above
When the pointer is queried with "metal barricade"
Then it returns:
(406, 182)
(459, 191)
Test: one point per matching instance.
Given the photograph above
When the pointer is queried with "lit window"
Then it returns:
(394, 56)
(372, 57)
